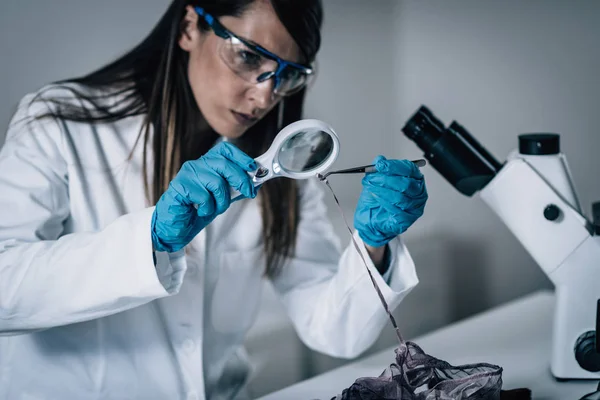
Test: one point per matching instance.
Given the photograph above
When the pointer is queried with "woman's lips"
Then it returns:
(244, 119)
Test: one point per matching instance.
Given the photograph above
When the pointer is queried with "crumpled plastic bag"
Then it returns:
(418, 376)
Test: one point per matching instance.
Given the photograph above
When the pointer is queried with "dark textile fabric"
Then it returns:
(418, 376)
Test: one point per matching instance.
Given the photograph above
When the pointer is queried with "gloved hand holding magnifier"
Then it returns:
(206, 187)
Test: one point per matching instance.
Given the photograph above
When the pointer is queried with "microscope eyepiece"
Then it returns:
(423, 128)
(465, 163)
(539, 144)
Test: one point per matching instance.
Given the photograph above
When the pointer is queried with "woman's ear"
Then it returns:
(190, 34)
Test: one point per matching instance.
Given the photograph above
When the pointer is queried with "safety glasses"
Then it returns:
(255, 64)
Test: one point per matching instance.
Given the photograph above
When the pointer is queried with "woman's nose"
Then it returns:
(262, 94)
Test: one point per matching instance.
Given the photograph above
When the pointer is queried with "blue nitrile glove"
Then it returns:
(392, 199)
(205, 182)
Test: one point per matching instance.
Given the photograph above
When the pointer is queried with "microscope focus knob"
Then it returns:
(551, 212)
(585, 352)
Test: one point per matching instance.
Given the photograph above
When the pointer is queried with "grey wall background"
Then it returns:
(498, 68)
(45, 41)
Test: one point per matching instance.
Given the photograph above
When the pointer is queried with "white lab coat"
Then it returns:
(84, 312)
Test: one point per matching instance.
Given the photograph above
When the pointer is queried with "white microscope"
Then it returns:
(533, 193)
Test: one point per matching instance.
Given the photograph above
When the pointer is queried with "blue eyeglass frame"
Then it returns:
(282, 64)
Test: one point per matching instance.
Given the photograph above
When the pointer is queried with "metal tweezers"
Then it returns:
(364, 169)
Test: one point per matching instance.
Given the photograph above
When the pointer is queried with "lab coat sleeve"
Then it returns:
(48, 278)
(328, 293)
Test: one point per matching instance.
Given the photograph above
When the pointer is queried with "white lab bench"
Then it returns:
(517, 336)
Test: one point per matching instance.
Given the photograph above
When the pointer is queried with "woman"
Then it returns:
(105, 296)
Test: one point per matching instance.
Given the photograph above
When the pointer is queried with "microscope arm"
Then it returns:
(547, 226)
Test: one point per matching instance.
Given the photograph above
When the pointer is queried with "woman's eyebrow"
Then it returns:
(253, 43)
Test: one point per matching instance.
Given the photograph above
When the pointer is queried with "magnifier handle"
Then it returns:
(259, 176)
(235, 194)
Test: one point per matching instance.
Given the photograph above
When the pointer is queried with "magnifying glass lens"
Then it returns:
(305, 150)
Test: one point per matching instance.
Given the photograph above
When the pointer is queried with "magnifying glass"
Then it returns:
(301, 150)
